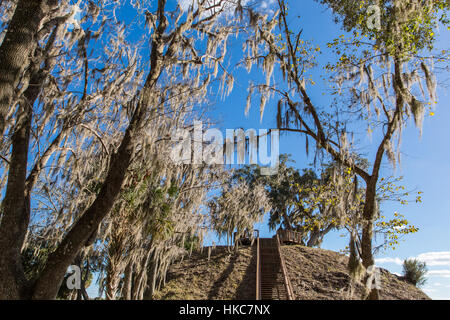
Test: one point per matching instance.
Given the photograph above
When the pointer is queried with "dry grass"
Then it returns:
(318, 274)
(315, 274)
(226, 276)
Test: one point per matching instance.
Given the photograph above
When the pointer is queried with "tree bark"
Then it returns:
(367, 233)
(368, 215)
(287, 221)
(127, 281)
(369, 205)
(151, 281)
(17, 201)
(16, 204)
(317, 236)
(51, 277)
(17, 49)
(46, 286)
(16, 216)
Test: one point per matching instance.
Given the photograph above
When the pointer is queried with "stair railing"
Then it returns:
(258, 270)
(287, 282)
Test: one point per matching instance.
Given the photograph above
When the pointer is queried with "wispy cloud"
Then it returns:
(439, 289)
(229, 6)
(389, 260)
(226, 5)
(432, 259)
(440, 285)
(439, 273)
(267, 4)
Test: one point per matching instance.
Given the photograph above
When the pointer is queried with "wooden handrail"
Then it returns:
(258, 271)
(287, 282)
(289, 236)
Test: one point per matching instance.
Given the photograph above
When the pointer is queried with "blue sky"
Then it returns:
(425, 159)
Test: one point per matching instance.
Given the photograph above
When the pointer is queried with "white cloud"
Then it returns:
(229, 5)
(266, 4)
(437, 284)
(439, 273)
(389, 260)
(435, 258)
(432, 259)
(440, 285)
(437, 291)
(440, 288)
(440, 296)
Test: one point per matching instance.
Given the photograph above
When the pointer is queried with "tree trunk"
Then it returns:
(367, 234)
(112, 282)
(50, 279)
(151, 279)
(369, 205)
(16, 215)
(17, 49)
(287, 221)
(317, 236)
(16, 204)
(17, 201)
(141, 278)
(127, 281)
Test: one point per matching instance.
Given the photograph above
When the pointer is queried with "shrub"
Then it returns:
(414, 271)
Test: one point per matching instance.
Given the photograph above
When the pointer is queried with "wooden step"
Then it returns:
(272, 284)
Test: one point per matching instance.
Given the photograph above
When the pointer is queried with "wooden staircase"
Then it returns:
(272, 282)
